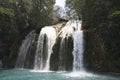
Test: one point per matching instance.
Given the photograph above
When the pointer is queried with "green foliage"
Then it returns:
(17, 19)
(102, 33)
(115, 16)
(102, 17)
(27, 14)
(6, 11)
(75, 7)
(41, 13)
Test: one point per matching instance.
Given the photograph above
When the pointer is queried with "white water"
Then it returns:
(45, 43)
(78, 49)
(65, 33)
(72, 29)
(24, 49)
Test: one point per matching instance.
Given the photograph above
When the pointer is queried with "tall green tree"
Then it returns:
(17, 19)
(41, 12)
(74, 7)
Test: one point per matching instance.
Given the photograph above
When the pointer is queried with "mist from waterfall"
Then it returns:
(24, 49)
(45, 43)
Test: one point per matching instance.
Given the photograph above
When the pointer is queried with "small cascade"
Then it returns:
(24, 49)
(45, 43)
(78, 50)
(66, 45)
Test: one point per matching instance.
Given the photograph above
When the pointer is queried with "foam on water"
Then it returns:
(79, 74)
(40, 71)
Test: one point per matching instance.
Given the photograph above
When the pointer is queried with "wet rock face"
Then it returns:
(66, 57)
(25, 50)
(62, 58)
(30, 57)
(1, 62)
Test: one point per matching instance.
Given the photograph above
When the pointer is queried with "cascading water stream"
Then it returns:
(71, 31)
(66, 45)
(78, 49)
(46, 41)
(24, 49)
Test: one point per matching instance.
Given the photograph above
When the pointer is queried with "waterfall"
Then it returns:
(24, 49)
(68, 50)
(45, 43)
(66, 46)
(78, 49)
(70, 35)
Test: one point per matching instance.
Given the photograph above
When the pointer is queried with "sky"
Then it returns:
(61, 3)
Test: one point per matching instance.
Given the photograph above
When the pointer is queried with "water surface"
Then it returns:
(36, 75)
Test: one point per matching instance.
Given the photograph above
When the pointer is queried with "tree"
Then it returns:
(74, 7)
(17, 19)
(41, 12)
(59, 12)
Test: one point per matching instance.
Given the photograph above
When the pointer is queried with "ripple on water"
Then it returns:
(50, 75)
